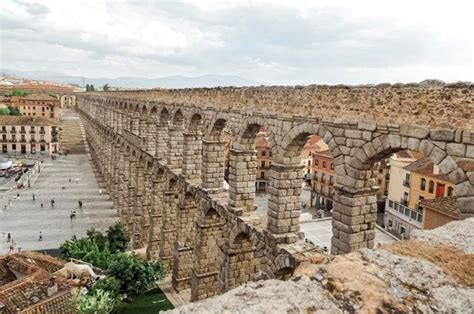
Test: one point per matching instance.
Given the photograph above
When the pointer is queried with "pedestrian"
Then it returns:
(33, 196)
(9, 237)
(69, 180)
(63, 187)
(65, 154)
(17, 195)
(77, 180)
(40, 236)
(41, 204)
(100, 191)
(52, 202)
(80, 204)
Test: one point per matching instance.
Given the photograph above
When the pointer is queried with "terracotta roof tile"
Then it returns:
(27, 120)
(446, 205)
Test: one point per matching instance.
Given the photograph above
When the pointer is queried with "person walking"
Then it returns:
(80, 203)
(52, 202)
(77, 180)
(41, 204)
(69, 180)
(9, 237)
(63, 187)
(33, 194)
(40, 236)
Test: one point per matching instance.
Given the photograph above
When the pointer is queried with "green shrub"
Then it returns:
(109, 284)
(136, 276)
(87, 250)
(118, 238)
(102, 302)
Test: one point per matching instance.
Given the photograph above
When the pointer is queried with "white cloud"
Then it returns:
(277, 42)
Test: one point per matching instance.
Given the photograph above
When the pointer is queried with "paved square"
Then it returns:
(24, 218)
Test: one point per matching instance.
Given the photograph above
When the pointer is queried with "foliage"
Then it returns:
(90, 88)
(136, 275)
(52, 94)
(152, 301)
(20, 93)
(14, 111)
(106, 87)
(101, 302)
(87, 250)
(4, 112)
(118, 238)
(98, 237)
(109, 284)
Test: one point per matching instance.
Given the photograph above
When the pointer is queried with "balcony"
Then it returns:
(406, 183)
(404, 202)
(23, 131)
(42, 132)
(22, 140)
(32, 132)
(33, 140)
(3, 131)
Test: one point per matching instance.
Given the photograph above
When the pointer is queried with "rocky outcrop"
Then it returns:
(430, 273)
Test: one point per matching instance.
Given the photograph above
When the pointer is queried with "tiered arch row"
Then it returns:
(164, 169)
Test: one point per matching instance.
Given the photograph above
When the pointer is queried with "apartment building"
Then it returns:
(39, 105)
(28, 135)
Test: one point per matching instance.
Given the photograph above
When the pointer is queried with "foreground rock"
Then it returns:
(432, 272)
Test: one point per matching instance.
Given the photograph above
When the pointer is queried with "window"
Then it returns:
(316, 175)
(309, 163)
(264, 153)
(262, 164)
(431, 187)
(323, 178)
(4, 137)
(405, 198)
(390, 204)
(13, 137)
(324, 164)
(42, 137)
(270, 154)
(13, 146)
(316, 162)
(423, 184)
(450, 191)
(379, 182)
(402, 230)
(401, 209)
(331, 180)
(262, 175)
(332, 166)
(407, 212)
(32, 137)
(420, 217)
(396, 206)
(381, 171)
(390, 223)
(413, 215)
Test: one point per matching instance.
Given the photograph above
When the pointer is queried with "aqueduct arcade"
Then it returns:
(161, 154)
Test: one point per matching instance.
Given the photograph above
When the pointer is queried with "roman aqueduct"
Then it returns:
(161, 155)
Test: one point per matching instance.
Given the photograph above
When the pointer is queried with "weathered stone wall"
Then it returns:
(233, 243)
(450, 105)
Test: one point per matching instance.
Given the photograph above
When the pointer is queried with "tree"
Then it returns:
(4, 111)
(109, 284)
(92, 88)
(87, 250)
(136, 276)
(88, 88)
(106, 87)
(118, 238)
(98, 237)
(14, 111)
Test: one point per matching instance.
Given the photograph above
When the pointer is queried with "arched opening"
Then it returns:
(162, 136)
(176, 141)
(192, 149)
(250, 152)
(301, 185)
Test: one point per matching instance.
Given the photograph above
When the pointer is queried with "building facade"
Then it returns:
(264, 160)
(323, 179)
(39, 105)
(28, 135)
(410, 186)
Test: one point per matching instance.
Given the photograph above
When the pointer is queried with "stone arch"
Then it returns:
(178, 118)
(164, 116)
(216, 128)
(195, 123)
(283, 266)
(245, 139)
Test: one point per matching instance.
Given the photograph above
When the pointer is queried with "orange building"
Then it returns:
(264, 160)
(323, 179)
(39, 105)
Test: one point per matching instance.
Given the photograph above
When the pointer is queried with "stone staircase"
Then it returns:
(72, 134)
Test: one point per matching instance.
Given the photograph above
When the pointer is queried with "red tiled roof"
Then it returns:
(445, 205)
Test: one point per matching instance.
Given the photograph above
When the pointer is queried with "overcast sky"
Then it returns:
(276, 42)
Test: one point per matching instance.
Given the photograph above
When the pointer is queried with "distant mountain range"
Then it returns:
(176, 81)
